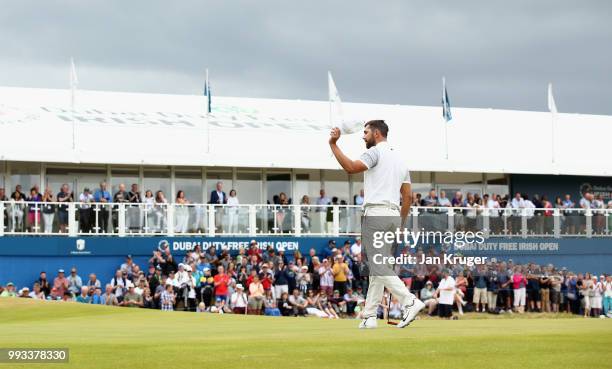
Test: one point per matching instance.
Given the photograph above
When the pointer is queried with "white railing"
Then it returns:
(133, 219)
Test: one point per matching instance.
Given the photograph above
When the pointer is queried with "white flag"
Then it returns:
(334, 100)
(552, 107)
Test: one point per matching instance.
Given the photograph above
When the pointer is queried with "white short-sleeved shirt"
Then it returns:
(447, 297)
(386, 173)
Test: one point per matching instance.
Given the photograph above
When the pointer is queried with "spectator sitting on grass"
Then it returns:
(298, 303)
(131, 298)
(167, 298)
(427, 296)
(109, 298)
(312, 305)
(395, 310)
(67, 296)
(270, 306)
(84, 298)
(96, 297)
(147, 299)
(37, 293)
(338, 303)
(326, 306)
(24, 293)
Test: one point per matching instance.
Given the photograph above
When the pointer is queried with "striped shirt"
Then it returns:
(167, 303)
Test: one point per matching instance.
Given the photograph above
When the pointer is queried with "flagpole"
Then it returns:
(207, 90)
(552, 134)
(552, 107)
(72, 98)
(444, 121)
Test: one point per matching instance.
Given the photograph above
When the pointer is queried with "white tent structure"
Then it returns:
(155, 129)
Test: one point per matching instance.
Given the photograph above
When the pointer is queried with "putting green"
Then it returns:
(110, 337)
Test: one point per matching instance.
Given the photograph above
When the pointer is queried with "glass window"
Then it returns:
(336, 185)
(156, 179)
(357, 187)
(27, 175)
(214, 176)
(248, 187)
(126, 176)
(76, 178)
(2, 173)
(307, 183)
(190, 182)
(277, 183)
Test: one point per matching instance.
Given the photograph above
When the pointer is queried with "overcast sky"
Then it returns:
(498, 54)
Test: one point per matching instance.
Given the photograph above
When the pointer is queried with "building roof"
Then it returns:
(156, 129)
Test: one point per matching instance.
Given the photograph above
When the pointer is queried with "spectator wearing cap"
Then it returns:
(326, 278)
(84, 297)
(329, 250)
(154, 277)
(239, 300)
(131, 298)
(24, 293)
(75, 282)
(9, 291)
(340, 270)
(61, 283)
(128, 266)
(428, 297)
(266, 276)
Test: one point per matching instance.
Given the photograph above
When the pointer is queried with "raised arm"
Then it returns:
(350, 166)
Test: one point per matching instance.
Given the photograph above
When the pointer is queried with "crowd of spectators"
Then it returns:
(538, 211)
(329, 284)
(97, 211)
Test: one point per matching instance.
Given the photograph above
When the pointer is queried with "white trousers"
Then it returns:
(519, 296)
(377, 284)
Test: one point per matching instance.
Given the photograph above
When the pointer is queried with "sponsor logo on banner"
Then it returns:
(80, 248)
(285, 246)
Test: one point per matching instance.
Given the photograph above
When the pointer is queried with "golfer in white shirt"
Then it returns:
(386, 178)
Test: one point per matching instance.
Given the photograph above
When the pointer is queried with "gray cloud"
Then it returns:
(494, 54)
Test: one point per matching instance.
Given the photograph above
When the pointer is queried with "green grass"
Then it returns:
(107, 337)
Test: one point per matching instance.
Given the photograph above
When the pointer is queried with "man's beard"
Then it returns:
(370, 144)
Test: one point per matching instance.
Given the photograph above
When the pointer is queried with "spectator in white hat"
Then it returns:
(239, 300)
